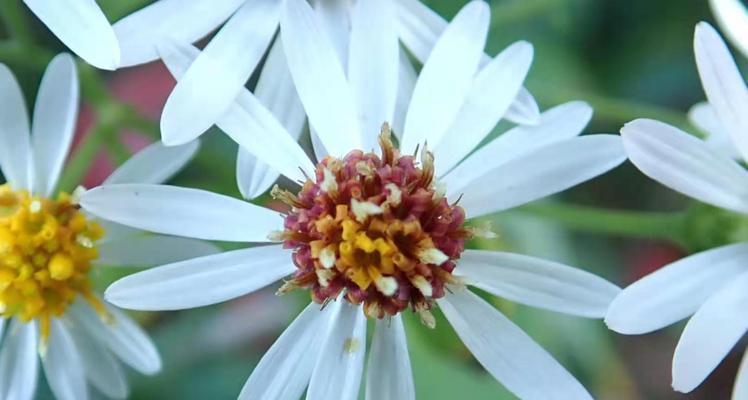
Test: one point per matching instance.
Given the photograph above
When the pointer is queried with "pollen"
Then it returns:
(46, 250)
(376, 229)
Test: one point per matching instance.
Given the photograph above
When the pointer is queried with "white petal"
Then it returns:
(113, 230)
(2, 326)
(285, 369)
(420, 28)
(723, 84)
(185, 21)
(19, 362)
(219, 73)
(537, 282)
(492, 91)
(154, 164)
(732, 17)
(102, 370)
(373, 66)
(122, 336)
(63, 366)
(202, 281)
(446, 77)
(253, 176)
(388, 374)
(524, 110)
(540, 173)
(675, 291)
(337, 374)
(81, 26)
(319, 78)
(248, 122)
(407, 77)
(172, 210)
(710, 334)
(740, 390)
(561, 122)
(686, 164)
(506, 352)
(15, 145)
(55, 113)
(147, 250)
(702, 116)
(334, 15)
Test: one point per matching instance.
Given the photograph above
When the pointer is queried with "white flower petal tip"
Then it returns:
(82, 26)
(675, 291)
(524, 110)
(538, 283)
(710, 334)
(686, 164)
(201, 281)
(723, 84)
(156, 163)
(732, 16)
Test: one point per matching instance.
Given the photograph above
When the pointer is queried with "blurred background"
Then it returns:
(628, 59)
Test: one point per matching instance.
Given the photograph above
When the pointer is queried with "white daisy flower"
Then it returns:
(211, 84)
(82, 27)
(49, 247)
(371, 235)
(710, 287)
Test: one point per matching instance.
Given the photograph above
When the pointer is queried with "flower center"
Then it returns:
(46, 249)
(376, 229)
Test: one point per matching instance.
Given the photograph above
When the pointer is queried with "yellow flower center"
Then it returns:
(46, 250)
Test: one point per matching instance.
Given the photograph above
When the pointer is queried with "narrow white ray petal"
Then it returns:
(81, 26)
(537, 174)
(112, 230)
(420, 28)
(55, 113)
(185, 21)
(334, 15)
(686, 164)
(219, 73)
(732, 17)
(154, 164)
(202, 281)
(740, 389)
(147, 250)
(446, 77)
(561, 122)
(524, 110)
(19, 361)
(337, 374)
(506, 352)
(723, 84)
(62, 364)
(253, 176)
(320, 152)
(702, 116)
(15, 144)
(373, 66)
(320, 79)
(172, 210)
(285, 369)
(388, 374)
(710, 334)
(102, 369)
(122, 336)
(675, 291)
(248, 122)
(2, 326)
(491, 93)
(407, 77)
(537, 282)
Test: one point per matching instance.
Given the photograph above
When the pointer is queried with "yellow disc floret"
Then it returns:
(46, 250)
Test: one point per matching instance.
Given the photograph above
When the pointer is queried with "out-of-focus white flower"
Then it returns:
(48, 248)
(82, 27)
(710, 287)
(373, 234)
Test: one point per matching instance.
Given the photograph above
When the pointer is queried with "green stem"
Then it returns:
(653, 225)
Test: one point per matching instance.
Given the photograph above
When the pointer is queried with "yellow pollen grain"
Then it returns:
(351, 345)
